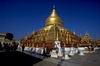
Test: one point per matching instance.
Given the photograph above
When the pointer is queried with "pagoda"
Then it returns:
(52, 30)
(97, 42)
(86, 40)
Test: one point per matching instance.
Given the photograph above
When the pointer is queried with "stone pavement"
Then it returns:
(30, 59)
(47, 61)
(55, 62)
(90, 59)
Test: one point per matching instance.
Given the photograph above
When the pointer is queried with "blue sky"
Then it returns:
(22, 17)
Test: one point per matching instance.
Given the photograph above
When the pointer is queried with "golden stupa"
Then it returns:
(52, 31)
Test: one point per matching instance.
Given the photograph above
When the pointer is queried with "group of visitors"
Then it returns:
(8, 46)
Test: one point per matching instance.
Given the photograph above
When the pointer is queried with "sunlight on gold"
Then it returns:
(52, 19)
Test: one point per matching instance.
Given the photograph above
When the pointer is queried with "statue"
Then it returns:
(58, 46)
(56, 51)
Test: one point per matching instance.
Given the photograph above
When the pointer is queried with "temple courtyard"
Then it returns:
(30, 59)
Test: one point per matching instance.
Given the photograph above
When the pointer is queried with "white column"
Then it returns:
(19, 48)
(72, 51)
(81, 51)
(76, 50)
(60, 52)
(67, 51)
(37, 50)
(96, 48)
(42, 50)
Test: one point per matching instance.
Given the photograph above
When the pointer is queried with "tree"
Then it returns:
(9, 36)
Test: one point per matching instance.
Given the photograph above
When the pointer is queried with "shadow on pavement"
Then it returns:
(17, 59)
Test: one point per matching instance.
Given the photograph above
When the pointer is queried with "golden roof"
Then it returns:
(53, 19)
(86, 38)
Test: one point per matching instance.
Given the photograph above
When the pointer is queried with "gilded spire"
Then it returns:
(53, 19)
(53, 6)
(53, 12)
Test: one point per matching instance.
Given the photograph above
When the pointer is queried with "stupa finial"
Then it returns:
(53, 6)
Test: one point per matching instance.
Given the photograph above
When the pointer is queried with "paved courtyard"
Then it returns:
(29, 59)
(91, 59)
